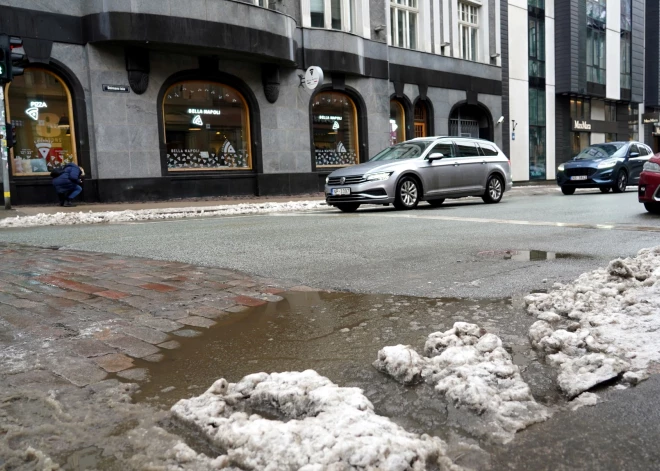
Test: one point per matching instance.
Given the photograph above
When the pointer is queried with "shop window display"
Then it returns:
(397, 123)
(334, 125)
(39, 108)
(206, 127)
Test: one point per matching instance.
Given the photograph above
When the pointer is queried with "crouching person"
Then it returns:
(67, 182)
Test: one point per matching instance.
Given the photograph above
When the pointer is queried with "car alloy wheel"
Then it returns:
(494, 190)
(407, 195)
(621, 182)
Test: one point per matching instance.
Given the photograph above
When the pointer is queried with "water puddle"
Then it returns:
(339, 335)
(530, 255)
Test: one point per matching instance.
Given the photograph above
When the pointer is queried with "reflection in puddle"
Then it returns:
(530, 255)
(339, 335)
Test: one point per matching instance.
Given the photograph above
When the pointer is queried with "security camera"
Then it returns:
(501, 120)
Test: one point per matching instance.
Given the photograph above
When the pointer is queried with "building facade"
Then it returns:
(160, 99)
(582, 82)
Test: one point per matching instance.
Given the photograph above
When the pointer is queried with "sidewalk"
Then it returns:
(201, 203)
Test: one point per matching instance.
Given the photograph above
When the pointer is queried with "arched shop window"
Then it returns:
(335, 129)
(207, 127)
(397, 122)
(39, 107)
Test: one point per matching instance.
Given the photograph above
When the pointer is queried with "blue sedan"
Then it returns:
(609, 166)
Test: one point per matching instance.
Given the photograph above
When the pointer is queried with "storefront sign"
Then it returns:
(651, 118)
(325, 117)
(199, 111)
(197, 120)
(116, 88)
(313, 76)
(33, 110)
(581, 125)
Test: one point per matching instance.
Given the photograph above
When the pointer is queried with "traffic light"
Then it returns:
(11, 135)
(18, 58)
(12, 57)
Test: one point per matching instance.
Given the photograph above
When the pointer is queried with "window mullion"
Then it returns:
(327, 14)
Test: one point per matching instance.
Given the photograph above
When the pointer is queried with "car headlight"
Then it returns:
(327, 179)
(652, 167)
(607, 163)
(560, 168)
(378, 177)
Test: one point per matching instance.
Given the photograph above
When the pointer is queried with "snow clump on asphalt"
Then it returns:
(602, 326)
(303, 421)
(72, 218)
(469, 367)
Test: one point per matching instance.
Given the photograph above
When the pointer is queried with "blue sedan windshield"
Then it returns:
(405, 150)
(602, 151)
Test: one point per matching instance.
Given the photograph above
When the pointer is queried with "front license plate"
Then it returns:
(579, 177)
(340, 191)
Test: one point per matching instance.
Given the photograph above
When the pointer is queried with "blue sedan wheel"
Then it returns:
(621, 182)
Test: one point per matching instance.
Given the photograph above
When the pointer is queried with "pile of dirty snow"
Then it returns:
(469, 367)
(602, 326)
(302, 421)
(63, 219)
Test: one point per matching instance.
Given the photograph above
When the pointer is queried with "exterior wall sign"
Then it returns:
(197, 120)
(116, 88)
(581, 125)
(198, 111)
(651, 118)
(313, 76)
(325, 117)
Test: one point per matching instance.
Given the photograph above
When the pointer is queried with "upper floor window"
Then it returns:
(610, 111)
(331, 14)
(537, 3)
(468, 29)
(261, 3)
(536, 34)
(626, 43)
(404, 23)
(596, 54)
(597, 10)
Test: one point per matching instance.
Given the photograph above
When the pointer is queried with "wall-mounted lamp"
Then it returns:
(501, 120)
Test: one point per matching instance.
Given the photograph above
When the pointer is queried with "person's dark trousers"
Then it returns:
(62, 197)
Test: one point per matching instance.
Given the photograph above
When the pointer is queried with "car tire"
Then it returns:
(605, 189)
(348, 207)
(494, 190)
(653, 208)
(407, 193)
(621, 182)
(568, 190)
(436, 203)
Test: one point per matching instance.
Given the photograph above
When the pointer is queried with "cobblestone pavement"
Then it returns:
(84, 315)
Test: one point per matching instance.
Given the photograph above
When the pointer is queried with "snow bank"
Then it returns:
(469, 367)
(602, 326)
(63, 219)
(302, 421)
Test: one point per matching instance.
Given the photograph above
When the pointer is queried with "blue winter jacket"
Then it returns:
(68, 179)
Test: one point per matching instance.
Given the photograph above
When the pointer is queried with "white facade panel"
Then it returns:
(518, 49)
(519, 115)
(437, 40)
(550, 52)
(597, 137)
(613, 64)
(425, 26)
(613, 21)
(484, 36)
(550, 132)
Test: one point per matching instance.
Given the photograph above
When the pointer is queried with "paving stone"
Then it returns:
(112, 294)
(34, 377)
(158, 287)
(78, 371)
(302, 288)
(237, 309)
(132, 346)
(187, 333)
(207, 311)
(164, 325)
(272, 290)
(249, 301)
(271, 298)
(114, 362)
(171, 314)
(155, 358)
(171, 345)
(242, 283)
(146, 334)
(135, 374)
(197, 321)
(91, 348)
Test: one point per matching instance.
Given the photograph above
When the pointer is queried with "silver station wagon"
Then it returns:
(425, 169)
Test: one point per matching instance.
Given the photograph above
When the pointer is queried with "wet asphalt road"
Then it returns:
(457, 250)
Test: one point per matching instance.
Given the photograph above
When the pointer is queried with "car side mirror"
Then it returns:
(436, 156)
(634, 154)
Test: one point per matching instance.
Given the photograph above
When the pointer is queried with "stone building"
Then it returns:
(161, 99)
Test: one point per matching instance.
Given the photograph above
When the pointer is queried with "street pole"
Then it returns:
(4, 150)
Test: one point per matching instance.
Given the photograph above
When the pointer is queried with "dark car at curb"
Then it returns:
(607, 166)
(428, 169)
